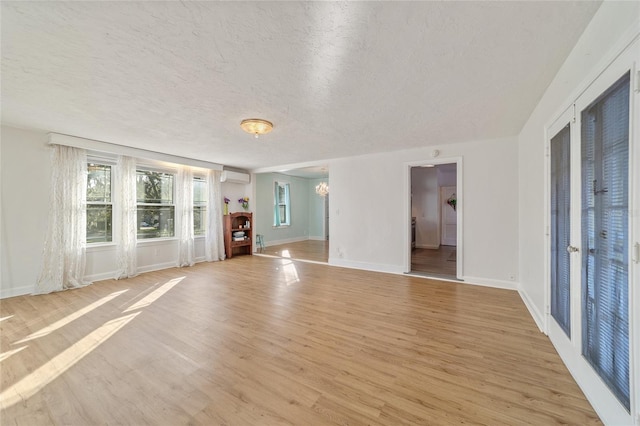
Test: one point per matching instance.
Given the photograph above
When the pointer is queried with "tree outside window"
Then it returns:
(156, 208)
(99, 205)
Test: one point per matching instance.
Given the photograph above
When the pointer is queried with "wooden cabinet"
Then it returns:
(234, 225)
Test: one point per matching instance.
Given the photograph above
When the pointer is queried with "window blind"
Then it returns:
(605, 237)
(561, 229)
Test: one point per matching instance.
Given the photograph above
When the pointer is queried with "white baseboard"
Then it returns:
(157, 267)
(317, 238)
(488, 282)
(533, 310)
(101, 277)
(428, 246)
(285, 241)
(375, 267)
(16, 291)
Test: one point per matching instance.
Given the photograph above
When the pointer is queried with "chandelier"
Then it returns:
(322, 189)
(256, 126)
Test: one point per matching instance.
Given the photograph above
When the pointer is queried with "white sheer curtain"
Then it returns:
(65, 243)
(127, 238)
(214, 242)
(184, 196)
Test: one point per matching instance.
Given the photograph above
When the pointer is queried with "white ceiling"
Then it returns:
(336, 79)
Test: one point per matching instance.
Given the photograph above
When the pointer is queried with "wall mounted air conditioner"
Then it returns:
(235, 177)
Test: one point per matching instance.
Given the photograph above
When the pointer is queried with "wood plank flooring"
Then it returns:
(264, 341)
(441, 261)
(314, 250)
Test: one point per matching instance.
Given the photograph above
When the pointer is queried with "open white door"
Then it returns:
(448, 216)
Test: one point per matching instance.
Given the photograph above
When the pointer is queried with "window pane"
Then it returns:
(199, 219)
(155, 221)
(98, 223)
(98, 183)
(154, 187)
(199, 192)
(560, 229)
(605, 238)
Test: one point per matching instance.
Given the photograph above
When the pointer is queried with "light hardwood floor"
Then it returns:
(263, 341)
(441, 261)
(314, 250)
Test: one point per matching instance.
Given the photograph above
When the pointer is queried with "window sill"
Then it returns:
(101, 246)
(151, 241)
(281, 226)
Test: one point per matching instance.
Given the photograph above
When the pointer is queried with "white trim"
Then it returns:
(533, 310)
(589, 381)
(458, 160)
(317, 238)
(489, 282)
(157, 267)
(428, 246)
(618, 49)
(108, 147)
(367, 266)
(285, 241)
(24, 290)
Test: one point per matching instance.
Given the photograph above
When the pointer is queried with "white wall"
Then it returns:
(316, 210)
(25, 180)
(425, 206)
(370, 224)
(594, 48)
(25, 161)
(235, 191)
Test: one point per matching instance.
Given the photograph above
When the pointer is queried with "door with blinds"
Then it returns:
(590, 200)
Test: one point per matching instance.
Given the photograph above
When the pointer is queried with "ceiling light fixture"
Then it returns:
(256, 126)
(322, 189)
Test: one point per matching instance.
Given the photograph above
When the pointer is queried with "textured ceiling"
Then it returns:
(336, 79)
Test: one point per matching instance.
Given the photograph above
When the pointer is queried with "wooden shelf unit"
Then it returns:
(234, 222)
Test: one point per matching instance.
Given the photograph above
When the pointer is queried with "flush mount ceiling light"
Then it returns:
(256, 126)
(322, 189)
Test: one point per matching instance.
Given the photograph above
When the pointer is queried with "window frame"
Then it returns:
(202, 208)
(97, 161)
(143, 168)
(277, 223)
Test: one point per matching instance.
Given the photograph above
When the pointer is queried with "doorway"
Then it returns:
(305, 235)
(434, 220)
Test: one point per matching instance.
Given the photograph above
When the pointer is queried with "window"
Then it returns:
(605, 237)
(199, 206)
(156, 208)
(282, 205)
(99, 206)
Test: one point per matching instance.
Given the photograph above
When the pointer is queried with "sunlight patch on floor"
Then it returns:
(52, 369)
(69, 318)
(154, 295)
(6, 355)
(289, 272)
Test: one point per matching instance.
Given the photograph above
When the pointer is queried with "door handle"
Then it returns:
(572, 249)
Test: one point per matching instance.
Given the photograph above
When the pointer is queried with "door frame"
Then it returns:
(459, 209)
(603, 401)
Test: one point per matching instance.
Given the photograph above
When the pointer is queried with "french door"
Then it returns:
(591, 196)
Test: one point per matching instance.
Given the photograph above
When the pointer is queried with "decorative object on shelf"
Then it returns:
(322, 189)
(452, 201)
(245, 203)
(226, 205)
(256, 126)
